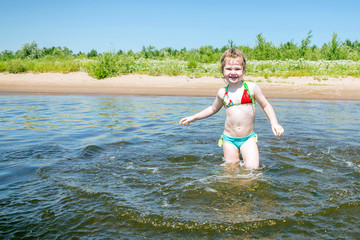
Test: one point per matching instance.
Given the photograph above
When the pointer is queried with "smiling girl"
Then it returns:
(238, 98)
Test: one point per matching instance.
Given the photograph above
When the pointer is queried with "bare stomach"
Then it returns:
(239, 120)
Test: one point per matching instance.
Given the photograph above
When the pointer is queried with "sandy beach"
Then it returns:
(81, 83)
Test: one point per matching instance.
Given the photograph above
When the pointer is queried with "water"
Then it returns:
(120, 167)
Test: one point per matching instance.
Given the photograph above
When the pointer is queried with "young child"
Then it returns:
(238, 98)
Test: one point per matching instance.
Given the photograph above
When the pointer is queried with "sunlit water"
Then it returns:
(120, 167)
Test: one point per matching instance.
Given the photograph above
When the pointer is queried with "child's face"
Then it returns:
(233, 70)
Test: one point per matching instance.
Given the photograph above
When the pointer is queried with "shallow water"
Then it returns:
(119, 167)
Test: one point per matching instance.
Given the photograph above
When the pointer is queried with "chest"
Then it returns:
(238, 97)
(235, 96)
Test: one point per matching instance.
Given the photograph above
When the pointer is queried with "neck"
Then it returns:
(238, 84)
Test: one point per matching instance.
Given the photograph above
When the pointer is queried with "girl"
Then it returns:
(238, 98)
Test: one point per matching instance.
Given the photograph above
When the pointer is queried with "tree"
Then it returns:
(29, 51)
(230, 44)
(92, 53)
(7, 55)
(289, 50)
(263, 49)
(334, 47)
(305, 43)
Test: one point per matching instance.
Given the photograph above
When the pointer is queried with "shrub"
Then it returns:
(30, 51)
(192, 64)
(16, 66)
(105, 66)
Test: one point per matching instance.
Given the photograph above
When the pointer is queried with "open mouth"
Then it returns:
(233, 78)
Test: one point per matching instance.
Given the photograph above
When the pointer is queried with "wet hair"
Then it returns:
(233, 53)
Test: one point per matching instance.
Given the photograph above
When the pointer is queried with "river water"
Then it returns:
(120, 167)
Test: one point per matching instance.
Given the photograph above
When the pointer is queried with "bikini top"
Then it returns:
(246, 97)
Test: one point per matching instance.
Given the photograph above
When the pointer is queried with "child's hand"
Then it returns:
(278, 130)
(186, 121)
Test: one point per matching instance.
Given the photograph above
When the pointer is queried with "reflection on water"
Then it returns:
(121, 167)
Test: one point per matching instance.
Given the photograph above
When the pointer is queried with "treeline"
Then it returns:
(335, 58)
(263, 50)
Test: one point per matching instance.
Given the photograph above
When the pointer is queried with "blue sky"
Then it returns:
(108, 25)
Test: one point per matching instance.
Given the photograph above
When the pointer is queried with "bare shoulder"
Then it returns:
(253, 87)
(221, 92)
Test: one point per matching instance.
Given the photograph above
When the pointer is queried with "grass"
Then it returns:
(300, 68)
(335, 58)
(42, 65)
(109, 65)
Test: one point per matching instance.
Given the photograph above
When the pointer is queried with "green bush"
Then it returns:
(104, 66)
(192, 64)
(16, 66)
(2, 67)
(334, 58)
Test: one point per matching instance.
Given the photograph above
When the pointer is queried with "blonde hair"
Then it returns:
(233, 53)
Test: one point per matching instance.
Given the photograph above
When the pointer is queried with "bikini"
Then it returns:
(246, 98)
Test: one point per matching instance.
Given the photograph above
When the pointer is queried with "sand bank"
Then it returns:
(81, 83)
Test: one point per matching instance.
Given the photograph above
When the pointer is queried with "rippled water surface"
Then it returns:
(120, 167)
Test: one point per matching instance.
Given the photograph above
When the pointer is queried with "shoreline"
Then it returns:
(80, 83)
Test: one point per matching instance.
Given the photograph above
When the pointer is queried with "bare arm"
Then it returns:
(207, 112)
(277, 129)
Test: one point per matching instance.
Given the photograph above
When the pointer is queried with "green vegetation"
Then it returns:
(335, 58)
